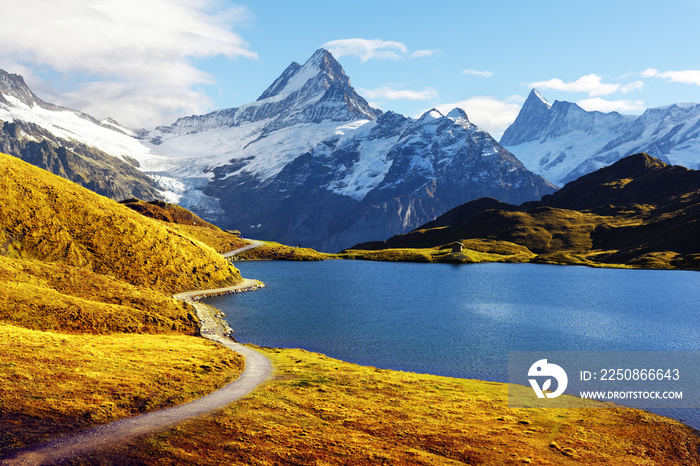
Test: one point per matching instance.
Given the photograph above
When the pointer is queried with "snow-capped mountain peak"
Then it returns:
(317, 91)
(13, 86)
(321, 65)
(563, 141)
(457, 114)
(430, 116)
(537, 97)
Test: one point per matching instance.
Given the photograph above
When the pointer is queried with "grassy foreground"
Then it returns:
(53, 383)
(322, 411)
(88, 330)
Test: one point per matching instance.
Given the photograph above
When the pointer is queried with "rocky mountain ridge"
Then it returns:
(310, 162)
(100, 156)
(562, 141)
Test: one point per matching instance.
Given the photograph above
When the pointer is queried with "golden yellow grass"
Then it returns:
(219, 240)
(51, 219)
(271, 250)
(187, 224)
(54, 383)
(474, 251)
(45, 296)
(322, 411)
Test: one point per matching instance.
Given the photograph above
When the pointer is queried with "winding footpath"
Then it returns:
(257, 370)
(253, 244)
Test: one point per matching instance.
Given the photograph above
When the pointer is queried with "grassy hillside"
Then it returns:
(88, 331)
(281, 252)
(51, 219)
(187, 224)
(46, 296)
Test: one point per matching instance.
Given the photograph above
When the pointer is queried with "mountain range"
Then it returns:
(562, 141)
(310, 162)
(638, 211)
(101, 156)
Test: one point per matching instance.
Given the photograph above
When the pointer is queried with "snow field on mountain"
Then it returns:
(71, 126)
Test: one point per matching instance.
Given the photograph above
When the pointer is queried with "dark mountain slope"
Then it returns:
(639, 211)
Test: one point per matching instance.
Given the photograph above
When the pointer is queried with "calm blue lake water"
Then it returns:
(461, 320)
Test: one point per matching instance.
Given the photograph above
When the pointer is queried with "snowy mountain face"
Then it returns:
(310, 162)
(316, 92)
(101, 156)
(382, 177)
(562, 141)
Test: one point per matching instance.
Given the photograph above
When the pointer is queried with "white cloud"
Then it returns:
(388, 93)
(366, 49)
(114, 98)
(686, 76)
(481, 74)
(591, 83)
(634, 86)
(424, 53)
(143, 49)
(487, 112)
(603, 105)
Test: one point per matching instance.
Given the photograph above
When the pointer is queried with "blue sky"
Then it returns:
(146, 63)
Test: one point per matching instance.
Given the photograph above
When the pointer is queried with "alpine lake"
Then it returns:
(462, 320)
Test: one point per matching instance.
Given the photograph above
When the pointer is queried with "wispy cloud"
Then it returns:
(366, 49)
(603, 105)
(686, 76)
(590, 83)
(135, 57)
(633, 86)
(489, 113)
(424, 53)
(481, 74)
(374, 49)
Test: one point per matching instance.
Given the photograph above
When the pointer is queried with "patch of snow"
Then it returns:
(555, 158)
(541, 97)
(365, 174)
(300, 78)
(353, 125)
